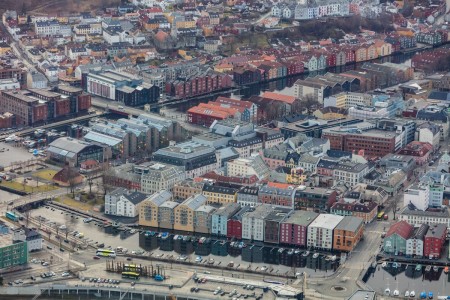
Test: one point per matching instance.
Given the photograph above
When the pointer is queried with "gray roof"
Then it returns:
(135, 197)
(279, 214)
(436, 230)
(102, 138)
(419, 233)
(185, 150)
(228, 210)
(169, 204)
(118, 192)
(350, 224)
(66, 146)
(160, 197)
(301, 217)
(195, 201)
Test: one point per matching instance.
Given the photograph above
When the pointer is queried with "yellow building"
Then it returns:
(383, 48)
(219, 194)
(372, 52)
(185, 212)
(361, 54)
(222, 68)
(296, 176)
(331, 112)
(4, 47)
(149, 209)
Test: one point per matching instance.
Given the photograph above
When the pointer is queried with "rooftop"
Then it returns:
(350, 224)
(301, 217)
(326, 221)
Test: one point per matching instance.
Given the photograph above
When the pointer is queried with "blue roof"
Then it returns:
(444, 96)
(101, 138)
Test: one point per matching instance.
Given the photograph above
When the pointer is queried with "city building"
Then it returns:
(419, 151)
(234, 224)
(395, 240)
(348, 233)
(13, 254)
(417, 195)
(431, 216)
(253, 222)
(314, 198)
(149, 214)
(219, 194)
(277, 196)
(414, 245)
(435, 241)
(195, 159)
(247, 196)
(320, 231)
(74, 152)
(253, 165)
(30, 236)
(185, 212)
(202, 218)
(272, 224)
(128, 204)
(186, 189)
(111, 200)
(157, 177)
(350, 173)
(39, 106)
(219, 221)
(294, 228)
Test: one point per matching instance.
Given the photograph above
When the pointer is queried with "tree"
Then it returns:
(27, 214)
(72, 178)
(90, 177)
(105, 176)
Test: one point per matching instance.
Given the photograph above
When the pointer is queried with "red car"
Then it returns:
(96, 257)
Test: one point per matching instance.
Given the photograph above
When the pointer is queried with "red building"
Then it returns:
(294, 65)
(419, 150)
(294, 228)
(198, 84)
(62, 107)
(234, 225)
(205, 114)
(434, 241)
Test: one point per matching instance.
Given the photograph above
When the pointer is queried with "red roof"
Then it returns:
(402, 229)
(279, 97)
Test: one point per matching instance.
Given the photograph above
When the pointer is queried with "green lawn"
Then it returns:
(46, 174)
(26, 188)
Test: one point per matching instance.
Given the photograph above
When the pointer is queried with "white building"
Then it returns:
(419, 196)
(253, 222)
(111, 200)
(428, 133)
(156, 177)
(320, 231)
(245, 167)
(350, 173)
(414, 245)
(128, 204)
(418, 217)
(32, 237)
(9, 84)
(76, 52)
(47, 27)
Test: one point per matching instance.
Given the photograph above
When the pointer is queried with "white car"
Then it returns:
(65, 274)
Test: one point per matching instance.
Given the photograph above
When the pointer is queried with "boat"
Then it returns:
(412, 294)
(407, 294)
(396, 293)
(202, 240)
(430, 295)
(306, 253)
(334, 257)
(428, 269)
(281, 250)
(384, 264)
(435, 268)
(164, 235)
(297, 251)
(395, 265)
(175, 237)
(316, 255)
(387, 292)
(290, 252)
(423, 295)
(419, 267)
(132, 231)
(446, 270)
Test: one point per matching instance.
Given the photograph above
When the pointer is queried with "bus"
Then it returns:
(105, 253)
(131, 275)
(132, 268)
(12, 216)
(380, 215)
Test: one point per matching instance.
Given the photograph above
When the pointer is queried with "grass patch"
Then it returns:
(26, 188)
(46, 174)
(82, 205)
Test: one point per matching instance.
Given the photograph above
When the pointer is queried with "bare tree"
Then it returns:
(105, 178)
(27, 214)
(72, 179)
(90, 178)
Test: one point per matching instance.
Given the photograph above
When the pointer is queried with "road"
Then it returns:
(108, 104)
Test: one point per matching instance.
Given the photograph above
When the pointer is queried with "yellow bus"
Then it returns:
(380, 215)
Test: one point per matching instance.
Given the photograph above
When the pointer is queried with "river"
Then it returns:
(407, 278)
